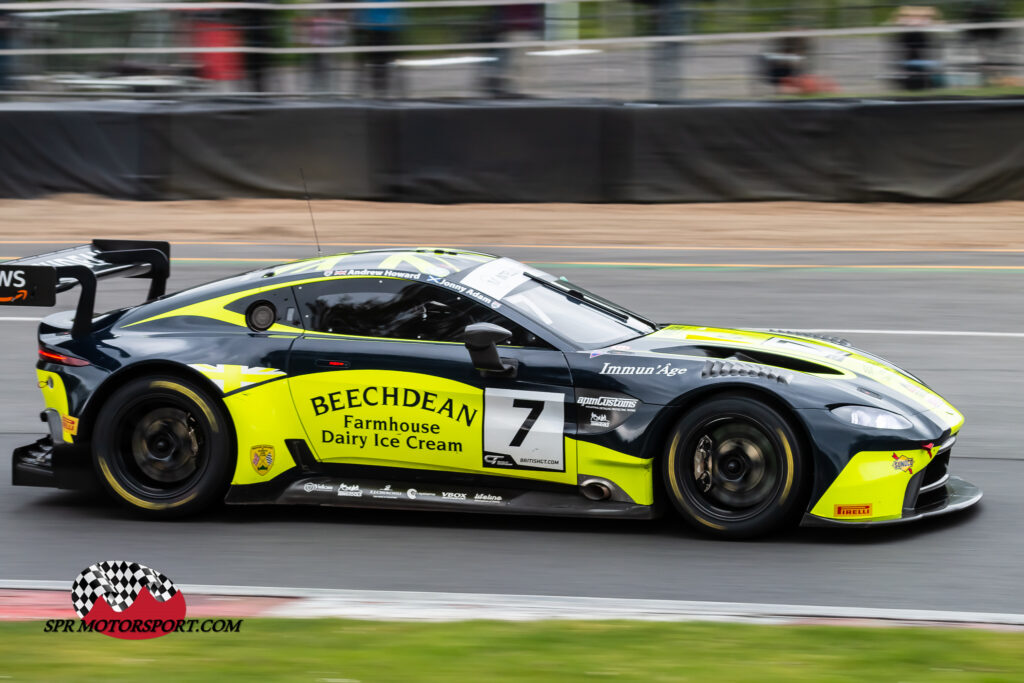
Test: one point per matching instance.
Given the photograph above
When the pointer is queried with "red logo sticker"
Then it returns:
(903, 463)
(862, 510)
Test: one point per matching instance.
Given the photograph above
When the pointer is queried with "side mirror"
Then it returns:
(481, 340)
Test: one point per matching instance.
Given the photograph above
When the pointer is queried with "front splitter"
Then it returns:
(960, 495)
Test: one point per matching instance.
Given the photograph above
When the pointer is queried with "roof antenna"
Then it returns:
(309, 204)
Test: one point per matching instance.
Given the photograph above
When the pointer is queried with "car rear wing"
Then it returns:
(36, 280)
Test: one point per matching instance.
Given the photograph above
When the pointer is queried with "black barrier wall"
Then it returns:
(959, 150)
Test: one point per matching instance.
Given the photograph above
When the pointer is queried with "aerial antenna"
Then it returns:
(309, 205)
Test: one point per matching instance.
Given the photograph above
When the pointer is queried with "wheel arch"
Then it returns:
(675, 410)
(115, 381)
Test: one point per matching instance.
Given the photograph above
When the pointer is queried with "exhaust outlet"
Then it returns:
(595, 489)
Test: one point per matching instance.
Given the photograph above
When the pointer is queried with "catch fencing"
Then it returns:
(614, 49)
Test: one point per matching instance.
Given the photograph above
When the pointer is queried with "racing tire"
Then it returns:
(163, 447)
(734, 468)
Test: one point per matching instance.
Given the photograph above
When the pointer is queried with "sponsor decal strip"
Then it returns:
(429, 606)
(380, 490)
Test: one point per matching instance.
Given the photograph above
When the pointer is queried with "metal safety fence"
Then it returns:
(614, 49)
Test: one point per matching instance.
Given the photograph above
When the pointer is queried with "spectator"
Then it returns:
(509, 24)
(785, 61)
(986, 41)
(787, 68)
(918, 66)
(256, 32)
(377, 27)
(6, 29)
(322, 30)
(668, 19)
(209, 29)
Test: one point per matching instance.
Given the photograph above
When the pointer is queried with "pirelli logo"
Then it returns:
(853, 510)
(69, 424)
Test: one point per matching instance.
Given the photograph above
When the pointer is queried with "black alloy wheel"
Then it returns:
(162, 446)
(735, 468)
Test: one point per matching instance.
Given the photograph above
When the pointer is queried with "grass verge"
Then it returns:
(338, 650)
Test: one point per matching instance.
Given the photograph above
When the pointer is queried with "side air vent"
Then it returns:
(823, 337)
(734, 368)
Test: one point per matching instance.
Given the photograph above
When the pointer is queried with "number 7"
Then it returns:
(536, 408)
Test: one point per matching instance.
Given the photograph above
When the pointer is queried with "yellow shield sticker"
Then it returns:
(262, 458)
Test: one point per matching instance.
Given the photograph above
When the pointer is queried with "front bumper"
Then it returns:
(958, 495)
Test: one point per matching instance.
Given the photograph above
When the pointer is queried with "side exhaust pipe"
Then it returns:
(595, 489)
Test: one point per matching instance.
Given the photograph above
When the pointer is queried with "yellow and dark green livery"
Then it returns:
(439, 379)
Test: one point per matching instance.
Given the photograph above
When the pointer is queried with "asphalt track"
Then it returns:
(898, 300)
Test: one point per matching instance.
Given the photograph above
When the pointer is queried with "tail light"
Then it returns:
(47, 355)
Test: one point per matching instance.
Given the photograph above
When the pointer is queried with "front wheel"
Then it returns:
(734, 468)
(162, 446)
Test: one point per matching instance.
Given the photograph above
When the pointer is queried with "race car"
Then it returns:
(444, 379)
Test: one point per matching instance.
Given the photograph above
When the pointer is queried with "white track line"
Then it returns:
(427, 606)
(924, 333)
(16, 319)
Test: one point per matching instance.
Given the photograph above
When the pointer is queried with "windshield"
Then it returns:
(576, 320)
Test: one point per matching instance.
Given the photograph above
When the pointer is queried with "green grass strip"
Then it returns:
(338, 650)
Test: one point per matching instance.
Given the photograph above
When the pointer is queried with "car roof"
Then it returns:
(428, 261)
(438, 263)
(434, 262)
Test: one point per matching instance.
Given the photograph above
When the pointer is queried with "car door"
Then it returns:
(381, 379)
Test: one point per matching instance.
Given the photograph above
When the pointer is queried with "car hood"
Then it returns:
(857, 377)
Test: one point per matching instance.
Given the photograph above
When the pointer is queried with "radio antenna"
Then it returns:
(309, 205)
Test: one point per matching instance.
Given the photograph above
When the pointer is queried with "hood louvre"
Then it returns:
(733, 368)
(752, 356)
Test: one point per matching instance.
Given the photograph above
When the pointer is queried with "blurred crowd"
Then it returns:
(353, 51)
(922, 55)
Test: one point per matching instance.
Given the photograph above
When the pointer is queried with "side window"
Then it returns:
(397, 309)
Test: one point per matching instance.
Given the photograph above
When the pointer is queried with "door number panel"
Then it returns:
(524, 430)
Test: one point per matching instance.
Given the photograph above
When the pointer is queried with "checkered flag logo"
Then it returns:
(120, 584)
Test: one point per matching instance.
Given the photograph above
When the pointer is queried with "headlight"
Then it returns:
(876, 418)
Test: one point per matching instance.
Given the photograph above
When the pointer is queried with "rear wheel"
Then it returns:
(734, 468)
(162, 446)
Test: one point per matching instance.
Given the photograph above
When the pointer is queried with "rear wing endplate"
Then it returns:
(36, 280)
